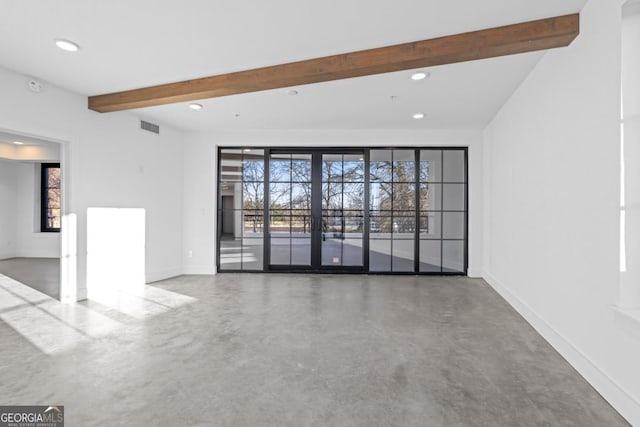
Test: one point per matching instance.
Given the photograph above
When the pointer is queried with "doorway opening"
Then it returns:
(31, 212)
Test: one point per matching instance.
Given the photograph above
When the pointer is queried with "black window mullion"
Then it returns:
(290, 211)
(441, 210)
(316, 209)
(220, 211)
(416, 247)
(266, 238)
(241, 210)
(342, 219)
(367, 206)
(466, 210)
(393, 189)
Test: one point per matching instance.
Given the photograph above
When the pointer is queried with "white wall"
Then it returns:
(107, 162)
(7, 209)
(200, 178)
(630, 215)
(552, 191)
(30, 242)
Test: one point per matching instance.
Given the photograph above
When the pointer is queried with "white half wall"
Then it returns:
(200, 178)
(108, 161)
(552, 175)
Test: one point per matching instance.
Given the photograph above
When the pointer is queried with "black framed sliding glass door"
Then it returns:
(289, 210)
(315, 211)
(371, 210)
(342, 210)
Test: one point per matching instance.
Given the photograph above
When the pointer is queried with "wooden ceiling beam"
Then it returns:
(507, 40)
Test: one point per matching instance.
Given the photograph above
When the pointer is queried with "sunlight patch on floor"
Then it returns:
(54, 327)
(141, 302)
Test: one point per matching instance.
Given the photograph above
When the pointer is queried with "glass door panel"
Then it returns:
(392, 204)
(241, 209)
(342, 210)
(316, 210)
(290, 220)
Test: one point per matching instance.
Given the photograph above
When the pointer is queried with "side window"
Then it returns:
(50, 198)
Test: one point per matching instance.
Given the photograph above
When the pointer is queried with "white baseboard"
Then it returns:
(155, 276)
(626, 404)
(199, 269)
(81, 294)
(473, 273)
(7, 255)
(35, 255)
(38, 254)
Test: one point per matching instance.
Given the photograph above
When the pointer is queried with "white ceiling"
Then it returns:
(10, 139)
(126, 44)
(31, 150)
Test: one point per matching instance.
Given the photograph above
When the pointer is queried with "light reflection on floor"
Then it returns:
(54, 327)
(140, 302)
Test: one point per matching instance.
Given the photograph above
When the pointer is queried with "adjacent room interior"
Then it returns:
(339, 213)
(31, 200)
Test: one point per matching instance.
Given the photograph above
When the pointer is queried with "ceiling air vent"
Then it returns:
(149, 126)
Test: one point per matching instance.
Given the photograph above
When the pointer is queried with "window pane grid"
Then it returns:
(242, 173)
(290, 213)
(442, 209)
(442, 205)
(401, 218)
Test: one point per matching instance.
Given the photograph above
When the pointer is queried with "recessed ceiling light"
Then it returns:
(418, 116)
(195, 106)
(292, 92)
(67, 45)
(247, 150)
(18, 142)
(419, 76)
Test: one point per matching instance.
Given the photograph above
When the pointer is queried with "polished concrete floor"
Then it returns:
(42, 274)
(289, 350)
